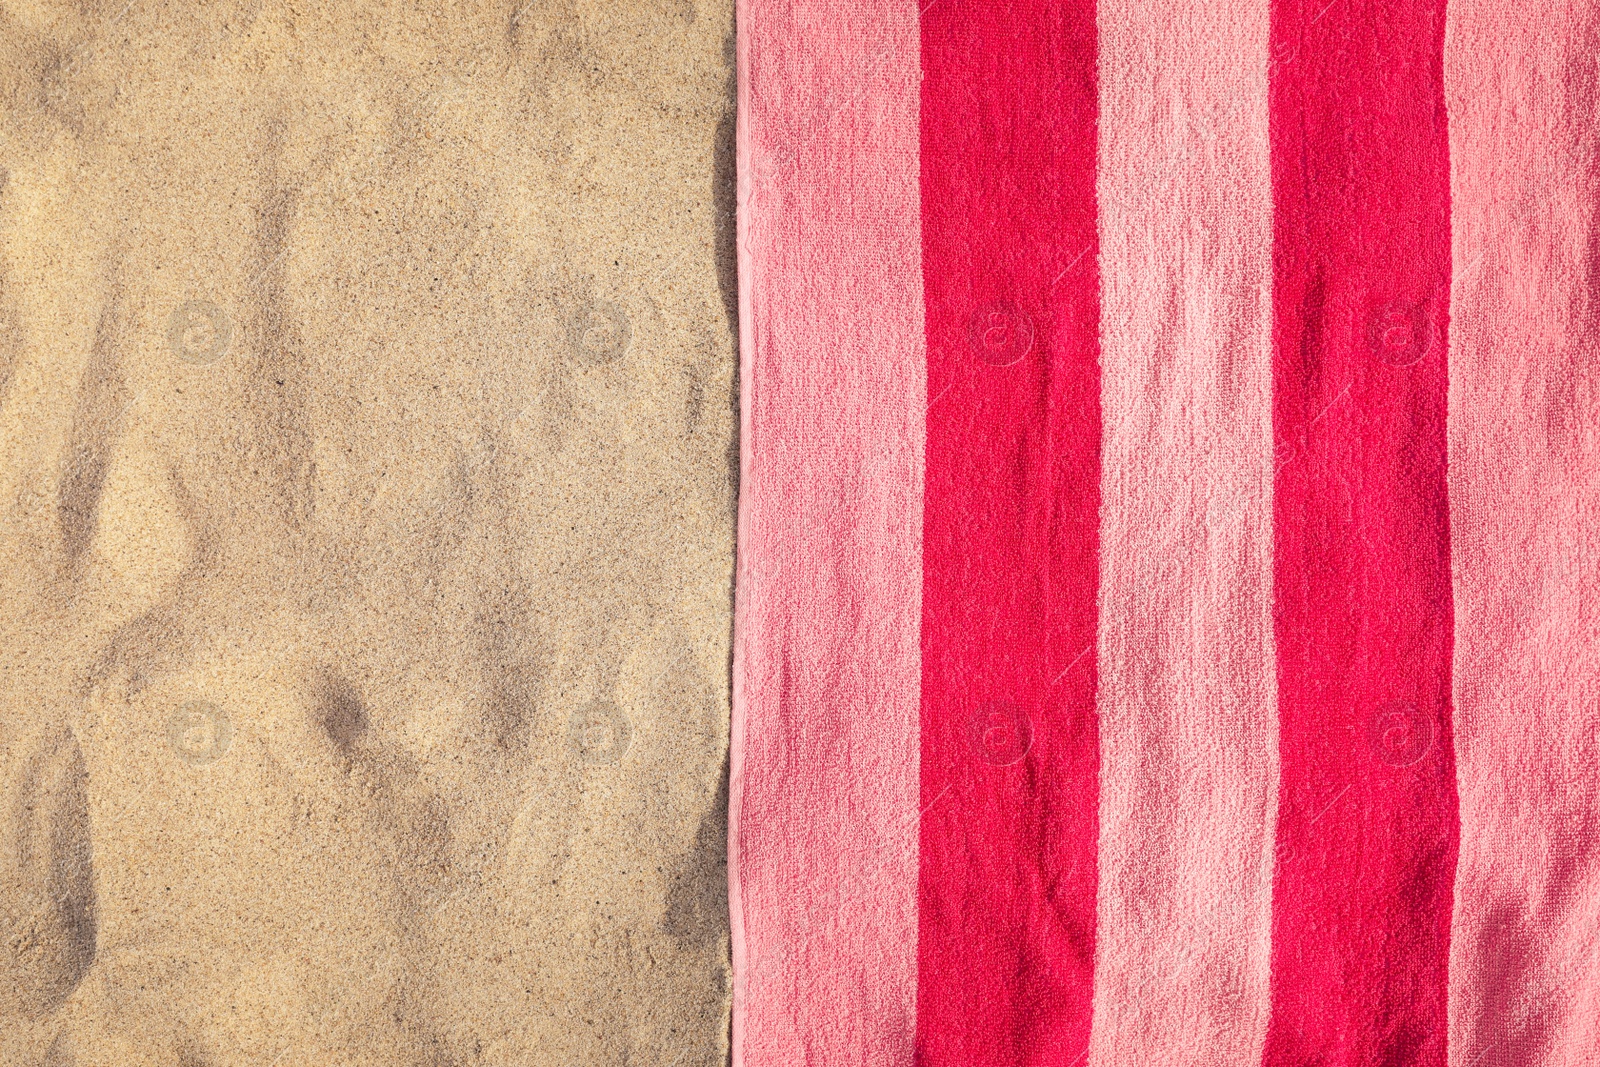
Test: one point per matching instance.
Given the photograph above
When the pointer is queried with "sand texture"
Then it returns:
(366, 519)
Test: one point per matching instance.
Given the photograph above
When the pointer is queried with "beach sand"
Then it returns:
(367, 383)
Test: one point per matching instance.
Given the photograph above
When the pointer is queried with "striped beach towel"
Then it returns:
(1168, 619)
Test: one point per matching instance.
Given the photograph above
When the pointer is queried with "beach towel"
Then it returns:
(1168, 616)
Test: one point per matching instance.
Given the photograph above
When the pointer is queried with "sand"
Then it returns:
(366, 518)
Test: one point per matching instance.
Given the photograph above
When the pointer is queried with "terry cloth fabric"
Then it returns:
(1168, 622)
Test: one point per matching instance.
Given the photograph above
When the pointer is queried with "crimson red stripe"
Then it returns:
(1010, 756)
(1367, 826)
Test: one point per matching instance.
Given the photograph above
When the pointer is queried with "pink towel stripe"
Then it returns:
(1187, 716)
(1367, 827)
(823, 798)
(1011, 561)
(1524, 96)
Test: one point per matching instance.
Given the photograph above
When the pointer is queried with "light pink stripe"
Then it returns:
(1524, 103)
(1187, 709)
(823, 814)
